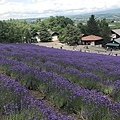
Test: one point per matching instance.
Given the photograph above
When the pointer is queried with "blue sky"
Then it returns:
(45, 8)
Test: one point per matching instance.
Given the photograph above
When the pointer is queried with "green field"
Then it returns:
(115, 25)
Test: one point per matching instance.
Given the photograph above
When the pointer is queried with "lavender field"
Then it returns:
(78, 84)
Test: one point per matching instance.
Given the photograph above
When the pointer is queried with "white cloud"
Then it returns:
(40, 8)
(2, 2)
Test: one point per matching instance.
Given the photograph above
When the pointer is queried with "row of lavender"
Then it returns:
(102, 74)
(16, 103)
(61, 91)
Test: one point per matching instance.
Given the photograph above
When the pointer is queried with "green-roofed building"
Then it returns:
(112, 44)
(115, 43)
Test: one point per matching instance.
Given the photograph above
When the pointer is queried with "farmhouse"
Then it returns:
(91, 40)
(53, 34)
(36, 35)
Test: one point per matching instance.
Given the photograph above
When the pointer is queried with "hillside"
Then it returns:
(112, 14)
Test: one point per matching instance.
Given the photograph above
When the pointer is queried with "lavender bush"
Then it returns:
(17, 103)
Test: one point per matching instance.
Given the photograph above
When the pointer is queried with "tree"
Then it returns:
(92, 26)
(83, 28)
(105, 31)
(3, 28)
(63, 21)
(45, 36)
(10, 31)
(72, 35)
(38, 21)
(27, 35)
(57, 22)
(50, 22)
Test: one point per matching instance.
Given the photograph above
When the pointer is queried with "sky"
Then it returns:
(19, 9)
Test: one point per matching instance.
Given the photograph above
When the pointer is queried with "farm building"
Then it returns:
(53, 34)
(116, 33)
(91, 40)
(115, 43)
(36, 35)
(115, 39)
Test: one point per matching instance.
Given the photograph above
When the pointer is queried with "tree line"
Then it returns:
(17, 31)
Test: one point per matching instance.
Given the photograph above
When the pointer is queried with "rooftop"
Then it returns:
(117, 31)
(117, 40)
(91, 38)
(112, 44)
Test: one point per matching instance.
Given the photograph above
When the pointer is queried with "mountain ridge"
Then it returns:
(108, 14)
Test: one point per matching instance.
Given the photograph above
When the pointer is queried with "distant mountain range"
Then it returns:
(113, 14)
(108, 14)
(117, 10)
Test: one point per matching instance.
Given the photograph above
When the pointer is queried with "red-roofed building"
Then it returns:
(91, 40)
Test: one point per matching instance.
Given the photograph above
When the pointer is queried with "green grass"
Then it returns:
(115, 25)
